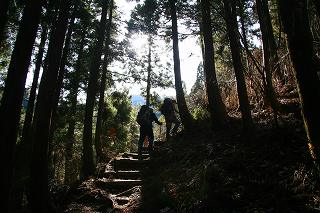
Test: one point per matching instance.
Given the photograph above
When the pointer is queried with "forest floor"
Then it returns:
(223, 171)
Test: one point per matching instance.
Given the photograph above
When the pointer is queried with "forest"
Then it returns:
(249, 139)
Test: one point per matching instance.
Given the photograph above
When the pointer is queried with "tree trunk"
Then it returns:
(295, 20)
(269, 28)
(24, 148)
(201, 36)
(59, 84)
(88, 166)
(185, 115)
(42, 118)
(149, 69)
(272, 42)
(13, 95)
(244, 38)
(242, 21)
(68, 178)
(3, 19)
(63, 62)
(267, 54)
(103, 85)
(216, 106)
(232, 29)
(26, 132)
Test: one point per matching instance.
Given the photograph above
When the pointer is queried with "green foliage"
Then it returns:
(145, 18)
(197, 99)
(199, 113)
(15, 12)
(4, 62)
(118, 127)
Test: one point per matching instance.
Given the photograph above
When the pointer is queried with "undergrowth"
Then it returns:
(225, 171)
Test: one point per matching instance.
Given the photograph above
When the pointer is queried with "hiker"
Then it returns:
(169, 111)
(145, 118)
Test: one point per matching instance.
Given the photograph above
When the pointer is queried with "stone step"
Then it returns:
(122, 200)
(158, 143)
(121, 174)
(129, 164)
(134, 155)
(117, 184)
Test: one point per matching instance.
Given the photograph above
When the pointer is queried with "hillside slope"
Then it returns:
(226, 172)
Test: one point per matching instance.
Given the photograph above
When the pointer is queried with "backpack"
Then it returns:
(144, 116)
(167, 106)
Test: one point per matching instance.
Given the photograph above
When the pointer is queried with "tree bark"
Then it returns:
(88, 165)
(294, 16)
(149, 69)
(267, 54)
(103, 85)
(75, 81)
(26, 132)
(269, 29)
(59, 84)
(242, 21)
(244, 38)
(13, 95)
(232, 29)
(42, 118)
(216, 106)
(185, 115)
(24, 148)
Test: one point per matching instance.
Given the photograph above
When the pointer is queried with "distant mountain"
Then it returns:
(137, 100)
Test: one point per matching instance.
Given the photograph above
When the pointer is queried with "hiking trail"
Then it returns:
(117, 187)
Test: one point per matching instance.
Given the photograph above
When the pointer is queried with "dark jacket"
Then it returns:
(146, 116)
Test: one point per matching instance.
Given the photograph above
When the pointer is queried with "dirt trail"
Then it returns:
(116, 189)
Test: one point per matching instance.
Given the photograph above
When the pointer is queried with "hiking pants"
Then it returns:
(145, 132)
(171, 120)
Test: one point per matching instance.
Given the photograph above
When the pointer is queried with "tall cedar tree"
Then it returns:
(88, 166)
(185, 115)
(294, 16)
(145, 19)
(75, 81)
(103, 84)
(232, 29)
(43, 111)
(13, 93)
(149, 71)
(26, 131)
(216, 106)
(269, 29)
(4, 9)
(24, 148)
(59, 85)
(264, 19)
(242, 20)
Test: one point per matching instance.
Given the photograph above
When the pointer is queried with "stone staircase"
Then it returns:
(122, 179)
(117, 187)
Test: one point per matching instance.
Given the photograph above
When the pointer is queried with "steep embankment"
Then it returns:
(225, 172)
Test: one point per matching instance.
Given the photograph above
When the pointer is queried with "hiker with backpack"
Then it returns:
(169, 111)
(145, 118)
